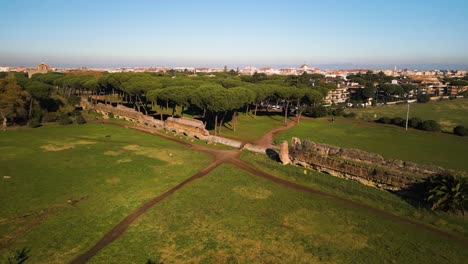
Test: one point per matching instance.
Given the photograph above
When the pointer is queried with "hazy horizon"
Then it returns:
(338, 34)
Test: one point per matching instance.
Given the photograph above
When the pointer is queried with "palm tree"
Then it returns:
(447, 193)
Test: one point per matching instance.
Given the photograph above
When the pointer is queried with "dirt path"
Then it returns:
(266, 140)
(232, 157)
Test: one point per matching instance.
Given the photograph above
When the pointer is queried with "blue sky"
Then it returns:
(236, 33)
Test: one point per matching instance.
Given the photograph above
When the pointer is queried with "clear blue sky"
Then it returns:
(236, 33)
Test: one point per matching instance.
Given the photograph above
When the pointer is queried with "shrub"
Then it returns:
(34, 122)
(398, 121)
(73, 100)
(414, 122)
(460, 131)
(50, 117)
(447, 193)
(384, 120)
(350, 115)
(80, 120)
(429, 125)
(317, 111)
(423, 98)
(465, 94)
(65, 120)
(111, 115)
(339, 111)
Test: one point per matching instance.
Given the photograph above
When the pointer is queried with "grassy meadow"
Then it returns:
(230, 216)
(357, 192)
(390, 141)
(69, 185)
(449, 113)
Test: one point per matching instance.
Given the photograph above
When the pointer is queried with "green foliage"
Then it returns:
(398, 121)
(460, 131)
(423, 98)
(384, 120)
(73, 100)
(316, 111)
(80, 119)
(34, 122)
(13, 100)
(65, 120)
(350, 115)
(110, 115)
(429, 125)
(447, 193)
(50, 117)
(19, 256)
(414, 122)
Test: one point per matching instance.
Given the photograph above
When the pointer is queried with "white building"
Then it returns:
(4, 69)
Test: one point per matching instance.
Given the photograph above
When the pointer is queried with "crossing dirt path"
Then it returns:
(232, 157)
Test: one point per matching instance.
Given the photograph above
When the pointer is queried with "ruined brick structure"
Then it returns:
(361, 166)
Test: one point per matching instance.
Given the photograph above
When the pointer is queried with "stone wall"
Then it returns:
(184, 126)
(361, 166)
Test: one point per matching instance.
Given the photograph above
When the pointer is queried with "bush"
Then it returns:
(429, 125)
(65, 120)
(398, 121)
(460, 131)
(465, 94)
(339, 111)
(317, 111)
(414, 122)
(50, 117)
(384, 120)
(80, 120)
(110, 115)
(34, 122)
(423, 98)
(73, 100)
(350, 115)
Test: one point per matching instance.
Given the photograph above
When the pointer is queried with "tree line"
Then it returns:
(215, 98)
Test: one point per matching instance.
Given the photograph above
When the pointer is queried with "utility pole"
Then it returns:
(407, 117)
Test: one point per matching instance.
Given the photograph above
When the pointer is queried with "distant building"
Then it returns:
(4, 69)
(41, 68)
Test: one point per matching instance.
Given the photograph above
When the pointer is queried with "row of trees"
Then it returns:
(214, 98)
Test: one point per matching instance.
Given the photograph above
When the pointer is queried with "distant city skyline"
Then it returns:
(333, 34)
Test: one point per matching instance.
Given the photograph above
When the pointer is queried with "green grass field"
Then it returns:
(105, 171)
(233, 217)
(251, 128)
(357, 192)
(449, 114)
(390, 141)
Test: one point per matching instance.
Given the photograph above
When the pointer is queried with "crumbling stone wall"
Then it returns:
(364, 167)
(184, 126)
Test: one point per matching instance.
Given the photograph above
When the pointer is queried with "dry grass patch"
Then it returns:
(113, 180)
(59, 146)
(124, 160)
(252, 192)
(171, 156)
(112, 153)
